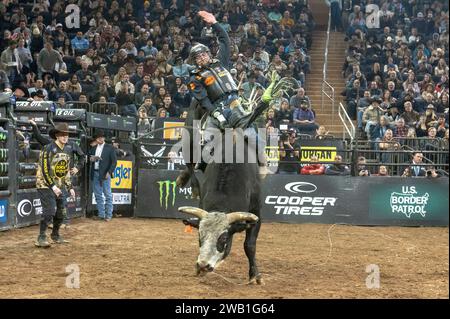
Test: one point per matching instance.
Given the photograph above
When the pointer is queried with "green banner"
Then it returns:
(409, 199)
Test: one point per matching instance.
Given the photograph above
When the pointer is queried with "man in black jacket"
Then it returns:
(103, 163)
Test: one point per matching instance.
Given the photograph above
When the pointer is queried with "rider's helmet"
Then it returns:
(196, 50)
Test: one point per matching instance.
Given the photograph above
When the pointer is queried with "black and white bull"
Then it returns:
(230, 203)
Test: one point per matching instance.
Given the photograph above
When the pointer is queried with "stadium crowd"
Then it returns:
(396, 69)
(135, 53)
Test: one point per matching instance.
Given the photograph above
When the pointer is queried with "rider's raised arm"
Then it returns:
(224, 45)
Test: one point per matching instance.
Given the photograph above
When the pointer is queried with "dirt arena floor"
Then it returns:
(144, 258)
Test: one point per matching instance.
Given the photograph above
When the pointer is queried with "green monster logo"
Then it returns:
(166, 188)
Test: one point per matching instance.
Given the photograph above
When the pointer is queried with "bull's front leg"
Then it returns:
(250, 250)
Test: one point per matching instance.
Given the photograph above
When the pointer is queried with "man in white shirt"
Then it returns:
(104, 160)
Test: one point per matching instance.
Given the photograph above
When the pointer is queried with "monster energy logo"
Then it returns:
(166, 188)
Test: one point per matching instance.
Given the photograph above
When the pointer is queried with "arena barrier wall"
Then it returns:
(316, 199)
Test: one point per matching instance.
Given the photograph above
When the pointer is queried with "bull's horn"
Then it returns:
(241, 216)
(197, 212)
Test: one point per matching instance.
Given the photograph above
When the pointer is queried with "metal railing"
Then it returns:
(325, 85)
(348, 128)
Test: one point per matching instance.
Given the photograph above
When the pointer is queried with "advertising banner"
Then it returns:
(408, 201)
(315, 199)
(4, 220)
(158, 195)
(122, 177)
(28, 207)
(325, 150)
(112, 122)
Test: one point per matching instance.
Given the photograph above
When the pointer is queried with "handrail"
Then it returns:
(324, 80)
(343, 115)
(325, 64)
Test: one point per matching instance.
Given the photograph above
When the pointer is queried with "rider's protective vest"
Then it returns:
(213, 81)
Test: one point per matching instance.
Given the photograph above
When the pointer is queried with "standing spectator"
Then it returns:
(10, 61)
(336, 13)
(289, 154)
(104, 160)
(47, 60)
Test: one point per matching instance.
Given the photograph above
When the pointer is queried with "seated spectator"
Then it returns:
(338, 168)
(352, 97)
(250, 86)
(172, 109)
(421, 126)
(441, 126)
(150, 108)
(431, 118)
(362, 168)
(86, 78)
(144, 125)
(289, 154)
(313, 168)
(400, 130)
(182, 97)
(304, 120)
(73, 85)
(321, 133)
(300, 98)
(378, 131)
(184, 114)
(371, 116)
(270, 120)
(125, 101)
(284, 114)
(382, 171)
(140, 96)
(79, 43)
(180, 69)
(415, 169)
(125, 80)
(410, 116)
(388, 143)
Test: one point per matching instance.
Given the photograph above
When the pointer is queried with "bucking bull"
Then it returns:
(229, 200)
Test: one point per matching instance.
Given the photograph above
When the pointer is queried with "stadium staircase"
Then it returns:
(336, 58)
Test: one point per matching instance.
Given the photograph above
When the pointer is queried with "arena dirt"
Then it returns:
(154, 258)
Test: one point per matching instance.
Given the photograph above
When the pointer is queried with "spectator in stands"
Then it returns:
(48, 59)
(150, 108)
(415, 169)
(382, 171)
(73, 85)
(431, 118)
(338, 168)
(410, 116)
(304, 119)
(79, 43)
(182, 97)
(362, 168)
(125, 101)
(125, 80)
(314, 168)
(388, 143)
(270, 120)
(321, 133)
(371, 116)
(392, 113)
(140, 96)
(172, 109)
(300, 98)
(378, 131)
(400, 130)
(353, 95)
(441, 126)
(144, 125)
(284, 114)
(289, 154)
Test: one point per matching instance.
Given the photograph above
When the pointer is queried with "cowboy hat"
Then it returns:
(59, 128)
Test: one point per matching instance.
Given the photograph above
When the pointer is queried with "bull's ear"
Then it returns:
(194, 222)
(237, 227)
